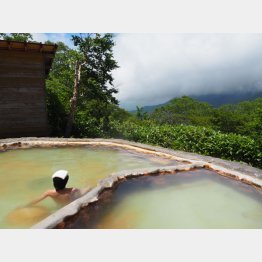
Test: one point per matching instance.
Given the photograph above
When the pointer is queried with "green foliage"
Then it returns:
(95, 120)
(59, 88)
(185, 110)
(21, 37)
(96, 90)
(58, 96)
(88, 126)
(96, 104)
(98, 63)
(244, 118)
(199, 140)
(140, 114)
(119, 114)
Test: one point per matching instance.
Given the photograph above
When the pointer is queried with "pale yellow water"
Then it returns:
(189, 200)
(26, 173)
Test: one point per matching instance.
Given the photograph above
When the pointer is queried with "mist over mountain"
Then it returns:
(215, 100)
(154, 68)
(221, 99)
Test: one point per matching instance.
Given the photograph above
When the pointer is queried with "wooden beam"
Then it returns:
(41, 47)
(9, 45)
(26, 46)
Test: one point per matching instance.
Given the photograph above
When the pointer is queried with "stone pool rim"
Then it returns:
(234, 170)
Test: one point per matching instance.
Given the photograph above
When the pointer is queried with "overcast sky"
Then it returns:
(157, 67)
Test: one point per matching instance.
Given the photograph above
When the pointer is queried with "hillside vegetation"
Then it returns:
(244, 118)
(196, 139)
(230, 132)
(89, 105)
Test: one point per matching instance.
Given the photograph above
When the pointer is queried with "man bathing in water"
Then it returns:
(61, 194)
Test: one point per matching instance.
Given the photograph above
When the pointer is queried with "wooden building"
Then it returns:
(23, 70)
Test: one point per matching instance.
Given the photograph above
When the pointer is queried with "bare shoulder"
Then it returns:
(50, 193)
(74, 190)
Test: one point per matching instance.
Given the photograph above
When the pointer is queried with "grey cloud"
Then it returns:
(157, 67)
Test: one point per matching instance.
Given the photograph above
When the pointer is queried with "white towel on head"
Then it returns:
(61, 174)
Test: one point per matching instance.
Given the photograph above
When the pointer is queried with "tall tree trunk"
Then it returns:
(73, 100)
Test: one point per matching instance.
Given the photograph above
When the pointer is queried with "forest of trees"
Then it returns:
(81, 103)
(232, 131)
(244, 118)
(80, 91)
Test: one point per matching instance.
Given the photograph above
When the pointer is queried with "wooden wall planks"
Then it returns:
(22, 94)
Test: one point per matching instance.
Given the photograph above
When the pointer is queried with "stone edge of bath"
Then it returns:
(13, 143)
(108, 182)
(235, 170)
(71, 209)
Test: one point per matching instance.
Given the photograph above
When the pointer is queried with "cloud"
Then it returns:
(157, 67)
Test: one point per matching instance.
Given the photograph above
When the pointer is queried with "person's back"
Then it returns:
(61, 194)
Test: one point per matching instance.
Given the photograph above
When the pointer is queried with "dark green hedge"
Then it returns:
(194, 139)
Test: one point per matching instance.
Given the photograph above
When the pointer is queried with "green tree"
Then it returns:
(140, 114)
(243, 118)
(59, 87)
(21, 37)
(94, 101)
(184, 110)
(92, 74)
(227, 120)
(119, 114)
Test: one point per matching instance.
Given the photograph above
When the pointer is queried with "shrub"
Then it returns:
(201, 140)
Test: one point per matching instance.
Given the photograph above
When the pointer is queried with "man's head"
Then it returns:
(60, 179)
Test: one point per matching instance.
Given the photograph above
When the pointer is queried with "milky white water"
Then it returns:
(197, 199)
(26, 173)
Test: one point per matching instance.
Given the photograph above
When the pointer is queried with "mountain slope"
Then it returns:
(214, 99)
